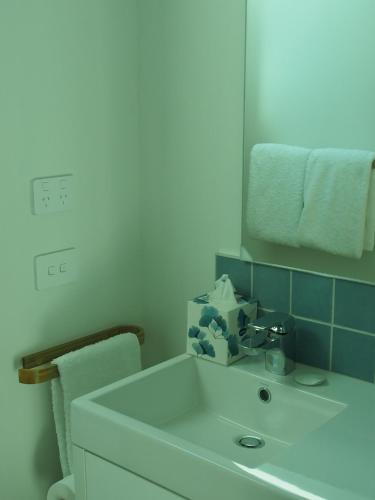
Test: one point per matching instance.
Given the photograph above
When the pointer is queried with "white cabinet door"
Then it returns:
(105, 481)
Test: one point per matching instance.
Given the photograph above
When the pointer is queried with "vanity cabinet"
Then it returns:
(97, 479)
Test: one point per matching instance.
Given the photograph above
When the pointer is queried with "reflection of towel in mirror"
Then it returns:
(275, 192)
(336, 201)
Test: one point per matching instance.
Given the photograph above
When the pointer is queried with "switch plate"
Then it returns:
(55, 268)
(52, 194)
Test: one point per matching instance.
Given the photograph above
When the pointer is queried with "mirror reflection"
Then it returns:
(309, 84)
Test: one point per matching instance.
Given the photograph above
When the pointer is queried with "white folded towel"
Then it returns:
(62, 490)
(83, 371)
(275, 192)
(336, 201)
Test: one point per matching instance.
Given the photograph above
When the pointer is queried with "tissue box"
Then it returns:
(214, 331)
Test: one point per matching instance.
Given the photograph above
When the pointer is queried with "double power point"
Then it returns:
(52, 194)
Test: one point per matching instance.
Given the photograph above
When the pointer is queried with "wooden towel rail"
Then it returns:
(37, 367)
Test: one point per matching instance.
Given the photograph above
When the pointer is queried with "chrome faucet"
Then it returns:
(275, 335)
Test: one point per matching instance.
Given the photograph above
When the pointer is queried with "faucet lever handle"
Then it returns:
(254, 328)
(274, 323)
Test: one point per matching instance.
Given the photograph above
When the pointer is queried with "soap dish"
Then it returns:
(310, 379)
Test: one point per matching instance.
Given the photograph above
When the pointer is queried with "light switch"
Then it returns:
(56, 268)
(52, 270)
(63, 268)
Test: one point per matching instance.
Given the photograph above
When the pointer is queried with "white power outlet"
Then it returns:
(52, 194)
(56, 268)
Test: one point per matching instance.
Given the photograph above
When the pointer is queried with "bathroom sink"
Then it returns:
(213, 406)
(178, 424)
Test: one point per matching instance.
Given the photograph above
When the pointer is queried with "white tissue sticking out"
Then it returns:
(223, 294)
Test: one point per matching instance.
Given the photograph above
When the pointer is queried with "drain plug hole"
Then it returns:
(264, 395)
(250, 442)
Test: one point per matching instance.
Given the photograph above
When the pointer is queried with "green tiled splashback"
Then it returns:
(335, 317)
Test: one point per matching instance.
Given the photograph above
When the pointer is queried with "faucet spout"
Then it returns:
(275, 335)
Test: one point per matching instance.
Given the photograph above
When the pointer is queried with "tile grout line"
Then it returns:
(322, 323)
(252, 281)
(353, 330)
(332, 323)
(312, 320)
(333, 301)
(290, 291)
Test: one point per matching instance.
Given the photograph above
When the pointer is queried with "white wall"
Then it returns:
(191, 122)
(69, 97)
(69, 103)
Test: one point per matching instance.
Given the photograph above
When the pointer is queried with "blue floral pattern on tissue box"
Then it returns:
(214, 332)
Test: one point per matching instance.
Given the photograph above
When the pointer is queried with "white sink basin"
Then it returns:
(213, 406)
(177, 424)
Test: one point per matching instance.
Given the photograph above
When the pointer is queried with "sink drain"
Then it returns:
(264, 394)
(250, 442)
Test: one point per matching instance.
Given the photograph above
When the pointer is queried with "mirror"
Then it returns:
(310, 81)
